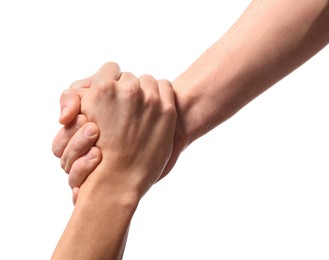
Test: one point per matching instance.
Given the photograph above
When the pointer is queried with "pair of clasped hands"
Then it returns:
(119, 124)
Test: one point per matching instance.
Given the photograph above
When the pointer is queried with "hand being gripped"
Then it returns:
(75, 142)
(136, 118)
(78, 153)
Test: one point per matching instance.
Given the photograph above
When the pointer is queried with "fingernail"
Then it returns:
(90, 131)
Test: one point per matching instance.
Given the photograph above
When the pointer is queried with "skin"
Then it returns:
(269, 41)
(142, 119)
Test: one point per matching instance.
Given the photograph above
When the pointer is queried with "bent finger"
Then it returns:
(71, 98)
(166, 92)
(70, 102)
(150, 88)
(79, 144)
(84, 166)
(65, 134)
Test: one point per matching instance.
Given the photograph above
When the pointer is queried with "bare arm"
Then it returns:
(98, 227)
(270, 40)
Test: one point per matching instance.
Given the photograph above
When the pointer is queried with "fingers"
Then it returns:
(166, 92)
(150, 88)
(83, 166)
(169, 112)
(130, 104)
(127, 79)
(70, 100)
(70, 106)
(167, 96)
(79, 144)
(129, 85)
(65, 134)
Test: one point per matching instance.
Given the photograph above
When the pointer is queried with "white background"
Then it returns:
(256, 187)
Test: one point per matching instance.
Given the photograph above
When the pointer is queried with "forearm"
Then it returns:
(270, 40)
(98, 227)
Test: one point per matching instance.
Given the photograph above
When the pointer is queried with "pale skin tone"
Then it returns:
(142, 119)
(270, 40)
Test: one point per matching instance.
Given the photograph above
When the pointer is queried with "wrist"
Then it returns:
(197, 110)
(209, 91)
(184, 125)
(99, 224)
(98, 189)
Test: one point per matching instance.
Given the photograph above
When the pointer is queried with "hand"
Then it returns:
(136, 118)
(71, 144)
(76, 139)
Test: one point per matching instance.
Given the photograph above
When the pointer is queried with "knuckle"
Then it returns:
(164, 82)
(147, 77)
(76, 146)
(66, 160)
(105, 86)
(131, 90)
(127, 76)
(169, 111)
(152, 100)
